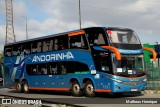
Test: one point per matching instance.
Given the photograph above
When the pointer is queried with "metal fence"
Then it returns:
(153, 77)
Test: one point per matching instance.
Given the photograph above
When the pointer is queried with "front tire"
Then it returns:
(89, 89)
(26, 87)
(76, 89)
(18, 87)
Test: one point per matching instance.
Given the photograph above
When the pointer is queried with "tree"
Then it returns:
(1, 57)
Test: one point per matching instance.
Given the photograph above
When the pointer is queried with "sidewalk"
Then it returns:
(151, 92)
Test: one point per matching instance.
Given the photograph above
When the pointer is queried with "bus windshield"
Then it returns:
(127, 37)
(129, 65)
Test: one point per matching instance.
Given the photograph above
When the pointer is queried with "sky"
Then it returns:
(45, 17)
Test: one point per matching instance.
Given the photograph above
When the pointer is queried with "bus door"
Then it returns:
(62, 78)
(58, 73)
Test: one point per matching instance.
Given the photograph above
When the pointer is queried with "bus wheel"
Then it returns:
(26, 87)
(89, 89)
(76, 89)
(18, 86)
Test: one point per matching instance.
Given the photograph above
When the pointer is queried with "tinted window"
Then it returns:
(70, 67)
(47, 45)
(16, 50)
(8, 51)
(56, 68)
(26, 48)
(36, 47)
(103, 63)
(53, 68)
(63, 67)
(62, 42)
(42, 69)
(80, 67)
(96, 37)
(78, 41)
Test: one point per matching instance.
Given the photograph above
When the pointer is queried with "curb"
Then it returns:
(151, 92)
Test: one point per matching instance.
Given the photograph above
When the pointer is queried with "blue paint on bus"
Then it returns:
(83, 62)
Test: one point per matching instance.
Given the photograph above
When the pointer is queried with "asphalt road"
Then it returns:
(101, 100)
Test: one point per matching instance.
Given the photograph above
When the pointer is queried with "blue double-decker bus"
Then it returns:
(86, 61)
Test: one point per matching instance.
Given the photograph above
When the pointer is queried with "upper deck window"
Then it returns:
(126, 37)
(36, 46)
(95, 37)
(16, 50)
(8, 51)
(78, 42)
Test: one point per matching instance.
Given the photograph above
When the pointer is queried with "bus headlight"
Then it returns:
(145, 80)
(116, 80)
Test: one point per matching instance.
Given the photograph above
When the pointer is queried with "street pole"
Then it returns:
(79, 14)
(26, 28)
(158, 52)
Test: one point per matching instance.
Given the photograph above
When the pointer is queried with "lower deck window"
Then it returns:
(56, 68)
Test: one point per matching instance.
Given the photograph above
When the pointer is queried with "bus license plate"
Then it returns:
(133, 89)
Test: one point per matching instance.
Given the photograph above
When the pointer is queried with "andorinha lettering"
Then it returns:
(129, 51)
(53, 57)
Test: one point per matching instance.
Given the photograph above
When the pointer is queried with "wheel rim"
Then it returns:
(76, 88)
(18, 86)
(90, 89)
(25, 87)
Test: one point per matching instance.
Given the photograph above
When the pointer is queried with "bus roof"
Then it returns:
(59, 34)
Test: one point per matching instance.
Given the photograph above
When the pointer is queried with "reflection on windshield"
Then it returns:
(128, 64)
(128, 37)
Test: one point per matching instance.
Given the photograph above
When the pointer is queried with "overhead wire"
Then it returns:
(102, 8)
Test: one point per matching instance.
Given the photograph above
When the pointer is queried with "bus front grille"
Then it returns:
(133, 83)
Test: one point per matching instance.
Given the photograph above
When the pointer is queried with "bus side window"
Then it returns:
(34, 69)
(96, 37)
(16, 50)
(63, 68)
(75, 42)
(47, 45)
(62, 42)
(70, 67)
(100, 39)
(42, 69)
(55, 44)
(53, 69)
(51, 45)
(36, 47)
(81, 67)
(78, 41)
(26, 48)
(8, 51)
